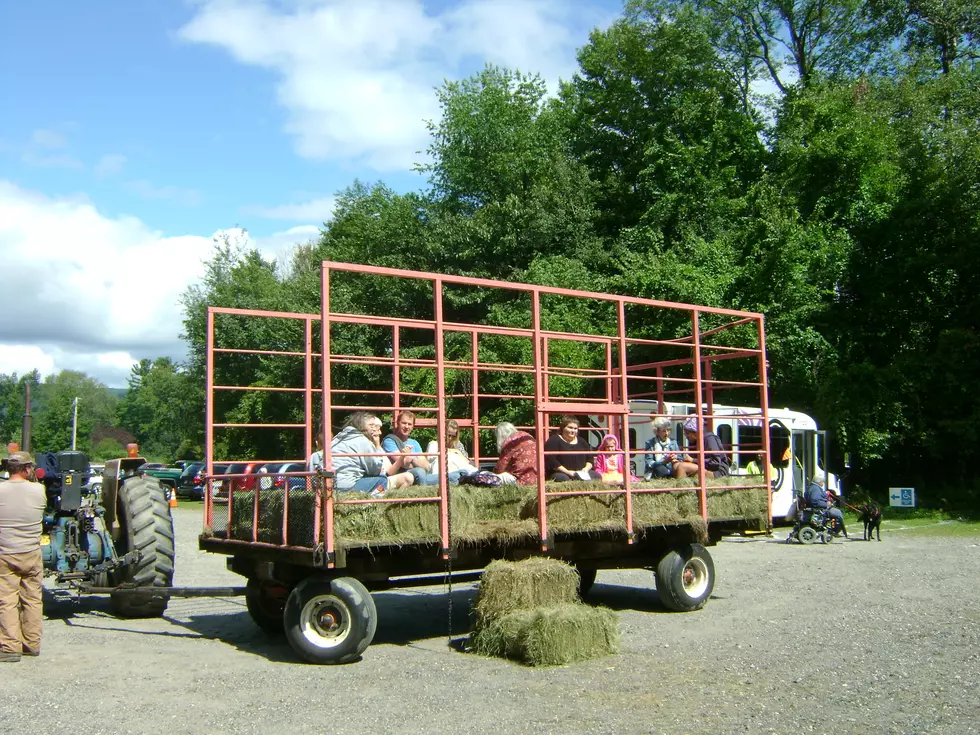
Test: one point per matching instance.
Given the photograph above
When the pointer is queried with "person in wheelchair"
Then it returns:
(818, 507)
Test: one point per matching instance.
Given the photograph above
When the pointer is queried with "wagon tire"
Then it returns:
(266, 603)
(330, 621)
(685, 578)
(586, 578)
(145, 525)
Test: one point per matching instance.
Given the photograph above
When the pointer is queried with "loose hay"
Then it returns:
(535, 582)
(550, 636)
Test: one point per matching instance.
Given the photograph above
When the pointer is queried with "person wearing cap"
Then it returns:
(22, 502)
(715, 456)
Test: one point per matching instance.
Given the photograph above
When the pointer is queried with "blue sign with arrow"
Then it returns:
(901, 497)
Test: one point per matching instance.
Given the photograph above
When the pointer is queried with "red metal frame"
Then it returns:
(615, 376)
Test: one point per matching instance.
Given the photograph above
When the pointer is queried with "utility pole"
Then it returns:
(74, 423)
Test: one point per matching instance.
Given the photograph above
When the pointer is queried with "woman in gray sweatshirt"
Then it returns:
(367, 474)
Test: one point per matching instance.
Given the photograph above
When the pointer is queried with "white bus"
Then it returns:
(797, 447)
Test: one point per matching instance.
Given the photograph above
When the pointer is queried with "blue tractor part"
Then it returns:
(76, 544)
(119, 537)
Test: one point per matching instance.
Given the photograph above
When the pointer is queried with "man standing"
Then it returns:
(22, 504)
(397, 442)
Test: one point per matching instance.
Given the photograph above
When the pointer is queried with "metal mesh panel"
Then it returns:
(275, 492)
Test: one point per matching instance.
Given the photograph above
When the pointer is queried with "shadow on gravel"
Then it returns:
(408, 616)
(238, 630)
(62, 606)
(622, 597)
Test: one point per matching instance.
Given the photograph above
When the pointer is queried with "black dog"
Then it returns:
(871, 518)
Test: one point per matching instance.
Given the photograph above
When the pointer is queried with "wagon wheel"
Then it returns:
(330, 621)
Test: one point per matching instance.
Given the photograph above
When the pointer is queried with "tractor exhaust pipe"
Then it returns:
(25, 430)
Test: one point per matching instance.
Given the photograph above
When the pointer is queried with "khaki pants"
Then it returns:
(20, 602)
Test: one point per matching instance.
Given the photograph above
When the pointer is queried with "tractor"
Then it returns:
(120, 536)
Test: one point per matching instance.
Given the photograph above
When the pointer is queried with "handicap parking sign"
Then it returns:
(901, 497)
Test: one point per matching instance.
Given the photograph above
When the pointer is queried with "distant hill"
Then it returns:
(119, 392)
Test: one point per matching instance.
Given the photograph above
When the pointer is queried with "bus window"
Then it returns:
(778, 445)
(749, 445)
(725, 434)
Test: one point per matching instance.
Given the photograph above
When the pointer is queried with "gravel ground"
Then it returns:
(849, 638)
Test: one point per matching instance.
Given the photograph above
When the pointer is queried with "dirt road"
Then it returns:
(849, 638)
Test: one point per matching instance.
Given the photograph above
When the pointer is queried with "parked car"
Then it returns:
(219, 488)
(279, 470)
(94, 483)
(190, 484)
(168, 476)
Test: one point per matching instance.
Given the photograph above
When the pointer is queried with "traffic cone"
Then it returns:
(173, 498)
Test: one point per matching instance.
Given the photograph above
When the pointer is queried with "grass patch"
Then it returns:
(925, 527)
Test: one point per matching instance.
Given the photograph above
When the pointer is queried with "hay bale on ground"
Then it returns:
(550, 636)
(536, 582)
(530, 611)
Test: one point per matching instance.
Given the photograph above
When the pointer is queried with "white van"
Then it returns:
(797, 447)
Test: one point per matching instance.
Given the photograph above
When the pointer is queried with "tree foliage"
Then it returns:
(845, 208)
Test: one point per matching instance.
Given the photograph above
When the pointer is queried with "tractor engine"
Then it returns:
(75, 543)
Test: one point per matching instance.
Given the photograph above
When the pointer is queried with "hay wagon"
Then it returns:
(477, 351)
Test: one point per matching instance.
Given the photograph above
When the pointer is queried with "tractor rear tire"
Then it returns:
(145, 523)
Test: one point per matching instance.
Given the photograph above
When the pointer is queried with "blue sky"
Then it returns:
(132, 132)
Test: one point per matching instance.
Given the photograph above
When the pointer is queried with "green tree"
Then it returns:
(162, 403)
(12, 397)
(54, 413)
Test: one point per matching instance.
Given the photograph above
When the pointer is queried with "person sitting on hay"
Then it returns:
(610, 466)
(518, 455)
(368, 474)
(568, 457)
(662, 451)
(715, 463)
(398, 442)
(457, 460)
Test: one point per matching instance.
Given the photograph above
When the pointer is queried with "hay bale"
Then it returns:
(535, 582)
(505, 514)
(550, 636)
(271, 505)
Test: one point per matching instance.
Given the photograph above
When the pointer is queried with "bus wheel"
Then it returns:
(685, 578)
(330, 621)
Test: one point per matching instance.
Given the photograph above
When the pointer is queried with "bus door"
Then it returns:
(804, 458)
(780, 455)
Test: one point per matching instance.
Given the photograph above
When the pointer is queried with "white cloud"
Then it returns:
(357, 76)
(316, 210)
(110, 164)
(148, 190)
(51, 160)
(23, 359)
(281, 245)
(44, 150)
(48, 139)
(94, 293)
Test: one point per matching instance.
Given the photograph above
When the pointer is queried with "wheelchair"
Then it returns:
(815, 524)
